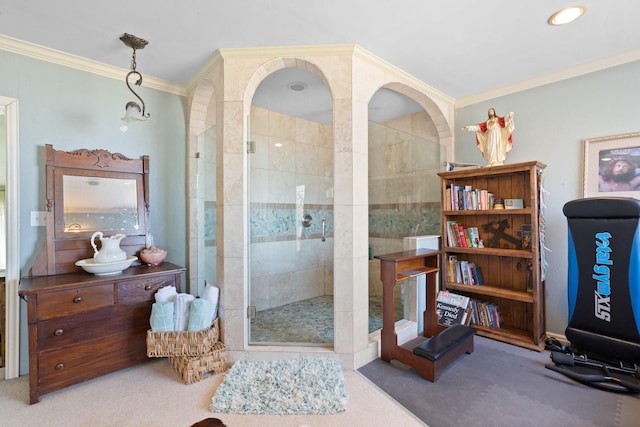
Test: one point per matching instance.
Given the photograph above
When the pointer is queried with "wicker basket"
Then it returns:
(182, 343)
(193, 369)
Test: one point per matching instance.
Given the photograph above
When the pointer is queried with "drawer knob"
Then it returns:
(148, 287)
(59, 366)
(77, 299)
(58, 332)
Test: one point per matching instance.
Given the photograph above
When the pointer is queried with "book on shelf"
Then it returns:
(485, 314)
(464, 236)
(451, 272)
(463, 271)
(452, 308)
(476, 273)
(470, 267)
(459, 235)
(458, 198)
(474, 237)
(453, 234)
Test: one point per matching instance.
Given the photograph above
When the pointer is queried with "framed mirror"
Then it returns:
(89, 191)
(98, 203)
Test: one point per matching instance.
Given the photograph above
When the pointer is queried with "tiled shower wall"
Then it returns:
(291, 174)
(405, 156)
(288, 262)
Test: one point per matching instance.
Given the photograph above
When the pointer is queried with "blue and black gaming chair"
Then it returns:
(603, 293)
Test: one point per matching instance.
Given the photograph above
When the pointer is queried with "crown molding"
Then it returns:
(203, 72)
(83, 64)
(545, 79)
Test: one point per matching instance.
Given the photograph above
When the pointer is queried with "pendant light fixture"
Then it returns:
(133, 111)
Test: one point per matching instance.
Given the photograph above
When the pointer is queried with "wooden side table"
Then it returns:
(395, 267)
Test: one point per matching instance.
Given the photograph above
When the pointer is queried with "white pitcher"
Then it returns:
(109, 249)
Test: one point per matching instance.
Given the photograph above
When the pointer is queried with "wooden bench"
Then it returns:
(444, 348)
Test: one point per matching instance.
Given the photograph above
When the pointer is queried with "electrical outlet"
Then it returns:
(38, 219)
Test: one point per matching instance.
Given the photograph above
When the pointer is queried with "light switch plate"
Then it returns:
(38, 218)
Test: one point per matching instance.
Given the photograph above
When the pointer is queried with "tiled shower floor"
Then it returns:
(307, 321)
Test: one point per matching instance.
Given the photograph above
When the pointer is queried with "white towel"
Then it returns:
(212, 293)
(166, 294)
(181, 311)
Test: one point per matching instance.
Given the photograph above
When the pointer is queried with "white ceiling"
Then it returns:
(460, 48)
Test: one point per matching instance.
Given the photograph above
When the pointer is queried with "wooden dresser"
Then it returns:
(82, 326)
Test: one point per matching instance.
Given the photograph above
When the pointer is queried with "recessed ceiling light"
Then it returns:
(297, 86)
(566, 15)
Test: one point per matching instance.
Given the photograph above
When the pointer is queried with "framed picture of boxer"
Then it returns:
(612, 166)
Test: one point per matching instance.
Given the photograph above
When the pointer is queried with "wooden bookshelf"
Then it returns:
(511, 269)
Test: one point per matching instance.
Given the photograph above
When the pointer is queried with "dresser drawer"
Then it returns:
(63, 331)
(71, 301)
(142, 289)
(76, 363)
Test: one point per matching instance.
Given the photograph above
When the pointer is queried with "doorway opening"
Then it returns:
(291, 224)
(9, 165)
(405, 155)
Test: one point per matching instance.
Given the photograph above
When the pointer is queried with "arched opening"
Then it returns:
(405, 153)
(290, 190)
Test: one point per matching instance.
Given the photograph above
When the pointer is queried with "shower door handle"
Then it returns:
(323, 238)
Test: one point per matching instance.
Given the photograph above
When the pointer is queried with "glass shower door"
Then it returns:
(291, 231)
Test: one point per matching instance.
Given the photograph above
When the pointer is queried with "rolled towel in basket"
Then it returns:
(167, 293)
(161, 319)
(183, 301)
(212, 293)
(199, 314)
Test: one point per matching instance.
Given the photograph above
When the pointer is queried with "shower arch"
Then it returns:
(405, 154)
(430, 107)
(278, 64)
(290, 260)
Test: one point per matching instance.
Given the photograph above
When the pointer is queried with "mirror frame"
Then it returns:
(62, 249)
(59, 209)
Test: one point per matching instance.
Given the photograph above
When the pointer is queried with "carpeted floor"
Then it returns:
(502, 385)
(152, 395)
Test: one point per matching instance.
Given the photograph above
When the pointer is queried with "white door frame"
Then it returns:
(12, 324)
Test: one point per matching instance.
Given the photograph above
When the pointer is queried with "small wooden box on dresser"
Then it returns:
(511, 265)
(82, 326)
